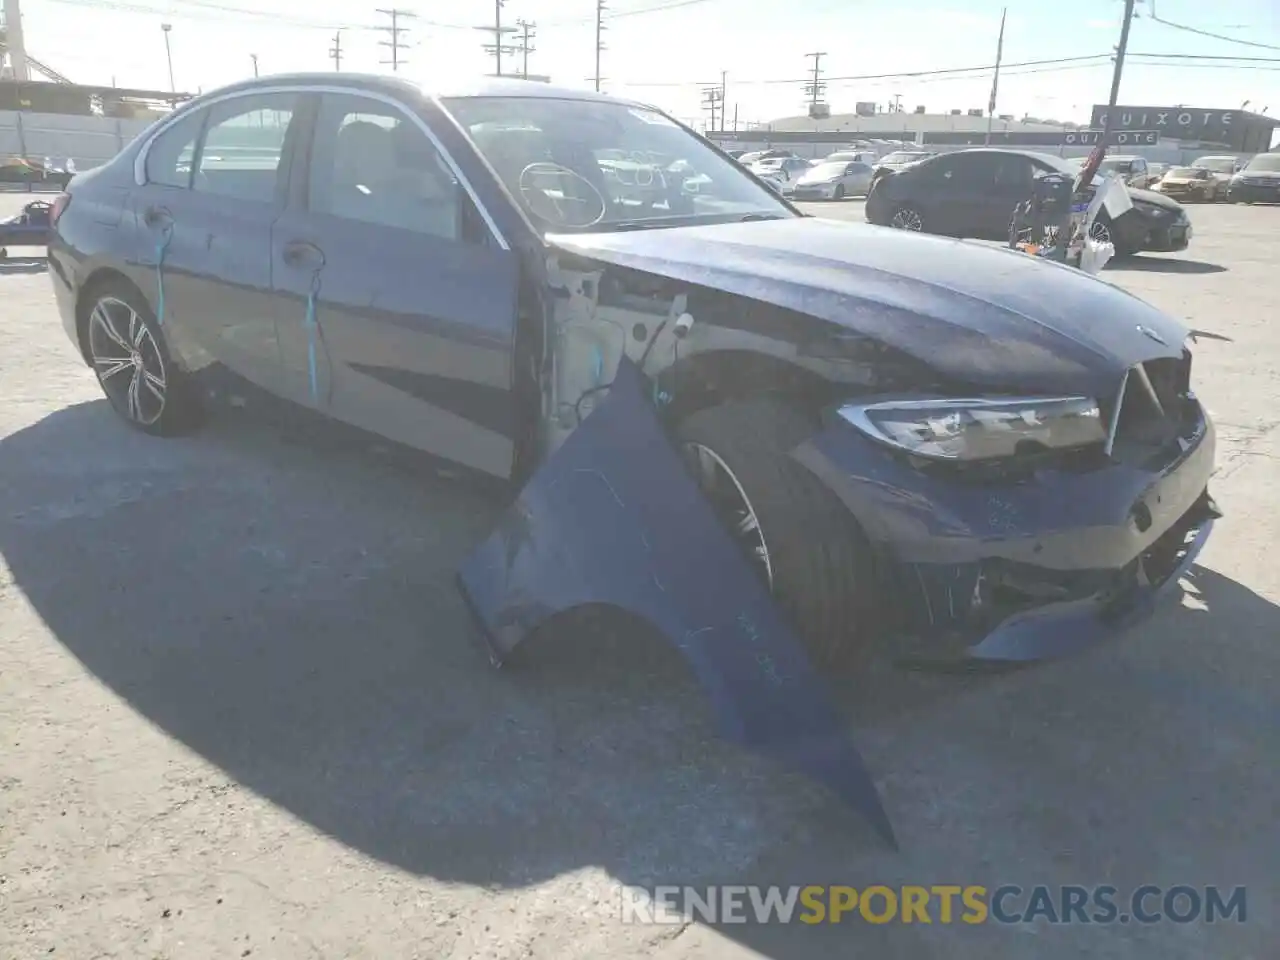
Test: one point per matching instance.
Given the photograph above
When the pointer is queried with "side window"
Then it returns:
(969, 171)
(243, 147)
(372, 163)
(1014, 173)
(857, 168)
(1139, 166)
(170, 154)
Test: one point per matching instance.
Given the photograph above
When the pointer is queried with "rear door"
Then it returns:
(413, 299)
(210, 229)
(1013, 183)
(957, 194)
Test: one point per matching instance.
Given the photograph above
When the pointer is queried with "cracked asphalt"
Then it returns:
(242, 714)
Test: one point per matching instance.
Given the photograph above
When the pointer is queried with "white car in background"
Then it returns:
(1222, 168)
(783, 171)
(834, 180)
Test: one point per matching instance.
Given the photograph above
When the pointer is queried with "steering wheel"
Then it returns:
(550, 190)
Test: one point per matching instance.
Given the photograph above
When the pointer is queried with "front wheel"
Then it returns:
(800, 538)
(839, 194)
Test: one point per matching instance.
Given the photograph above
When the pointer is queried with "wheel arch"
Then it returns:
(717, 376)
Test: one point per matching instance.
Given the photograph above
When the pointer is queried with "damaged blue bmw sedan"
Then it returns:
(699, 396)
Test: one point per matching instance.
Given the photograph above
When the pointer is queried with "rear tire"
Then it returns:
(816, 559)
(907, 217)
(127, 352)
(839, 193)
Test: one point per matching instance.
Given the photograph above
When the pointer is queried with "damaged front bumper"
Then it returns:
(1026, 568)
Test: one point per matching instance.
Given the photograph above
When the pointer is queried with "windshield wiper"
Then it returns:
(754, 217)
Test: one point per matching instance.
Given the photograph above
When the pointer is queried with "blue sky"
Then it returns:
(661, 56)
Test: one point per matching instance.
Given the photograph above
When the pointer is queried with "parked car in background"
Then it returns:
(1258, 181)
(1190, 183)
(1158, 170)
(893, 162)
(755, 156)
(851, 156)
(28, 228)
(834, 180)
(784, 170)
(1223, 169)
(1134, 171)
(972, 193)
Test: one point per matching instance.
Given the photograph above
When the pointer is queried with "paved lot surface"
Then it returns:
(240, 714)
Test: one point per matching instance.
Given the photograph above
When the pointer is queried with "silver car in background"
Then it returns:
(834, 180)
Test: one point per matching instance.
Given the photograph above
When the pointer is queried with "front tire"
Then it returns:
(128, 355)
(907, 217)
(801, 539)
(839, 192)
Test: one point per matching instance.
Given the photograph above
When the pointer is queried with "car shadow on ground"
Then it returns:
(13, 265)
(292, 619)
(1148, 264)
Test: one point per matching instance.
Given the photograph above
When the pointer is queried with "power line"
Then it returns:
(1205, 33)
(395, 30)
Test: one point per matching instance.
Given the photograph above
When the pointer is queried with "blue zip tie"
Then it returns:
(161, 249)
(310, 324)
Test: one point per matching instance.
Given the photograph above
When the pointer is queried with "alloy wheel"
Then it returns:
(731, 504)
(905, 218)
(1100, 232)
(127, 361)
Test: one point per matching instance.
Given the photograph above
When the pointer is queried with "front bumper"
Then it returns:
(1254, 192)
(1025, 569)
(815, 191)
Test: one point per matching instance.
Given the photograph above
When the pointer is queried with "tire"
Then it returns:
(907, 217)
(817, 561)
(839, 194)
(127, 352)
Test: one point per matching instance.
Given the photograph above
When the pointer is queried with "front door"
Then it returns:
(396, 308)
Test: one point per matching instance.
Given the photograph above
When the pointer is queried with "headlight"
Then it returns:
(979, 429)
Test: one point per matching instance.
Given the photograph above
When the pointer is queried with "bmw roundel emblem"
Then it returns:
(1151, 334)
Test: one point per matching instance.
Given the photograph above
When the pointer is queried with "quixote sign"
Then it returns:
(1117, 138)
(1181, 123)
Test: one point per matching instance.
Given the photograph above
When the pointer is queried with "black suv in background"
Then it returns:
(1258, 182)
(972, 193)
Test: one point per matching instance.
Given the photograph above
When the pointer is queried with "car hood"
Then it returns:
(976, 314)
(810, 177)
(1153, 198)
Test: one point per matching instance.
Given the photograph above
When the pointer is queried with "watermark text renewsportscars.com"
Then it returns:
(936, 903)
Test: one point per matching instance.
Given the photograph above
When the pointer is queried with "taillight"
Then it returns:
(60, 205)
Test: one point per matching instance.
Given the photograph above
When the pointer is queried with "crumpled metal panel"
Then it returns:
(614, 518)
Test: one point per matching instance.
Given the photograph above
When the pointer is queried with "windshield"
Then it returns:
(1265, 163)
(1117, 166)
(826, 170)
(590, 165)
(1183, 173)
(1216, 164)
(904, 157)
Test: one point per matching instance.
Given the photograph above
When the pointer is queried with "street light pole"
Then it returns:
(254, 58)
(168, 53)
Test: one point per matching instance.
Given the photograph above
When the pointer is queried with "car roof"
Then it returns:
(464, 88)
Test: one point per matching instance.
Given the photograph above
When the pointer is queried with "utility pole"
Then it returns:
(395, 29)
(254, 58)
(711, 100)
(1115, 77)
(498, 48)
(815, 87)
(335, 52)
(724, 89)
(13, 42)
(168, 53)
(599, 39)
(995, 78)
(525, 47)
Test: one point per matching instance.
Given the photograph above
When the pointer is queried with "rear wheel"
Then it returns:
(839, 194)
(803, 542)
(128, 354)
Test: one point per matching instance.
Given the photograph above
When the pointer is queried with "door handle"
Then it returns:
(303, 253)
